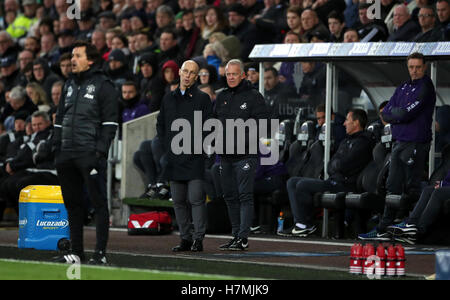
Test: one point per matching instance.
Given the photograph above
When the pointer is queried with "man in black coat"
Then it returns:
(86, 123)
(353, 154)
(185, 167)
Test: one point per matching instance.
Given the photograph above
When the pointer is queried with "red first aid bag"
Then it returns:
(153, 222)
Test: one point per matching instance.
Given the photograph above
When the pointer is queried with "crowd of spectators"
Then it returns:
(143, 44)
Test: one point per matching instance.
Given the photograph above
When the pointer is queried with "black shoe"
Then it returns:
(240, 244)
(98, 258)
(183, 246)
(228, 244)
(163, 193)
(197, 246)
(69, 258)
(150, 193)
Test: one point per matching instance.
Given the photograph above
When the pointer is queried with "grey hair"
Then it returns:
(236, 62)
(42, 114)
(165, 9)
(18, 93)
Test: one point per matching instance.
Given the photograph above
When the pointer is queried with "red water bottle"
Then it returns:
(380, 264)
(401, 261)
(391, 261)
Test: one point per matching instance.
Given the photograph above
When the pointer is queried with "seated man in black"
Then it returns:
(353, 154)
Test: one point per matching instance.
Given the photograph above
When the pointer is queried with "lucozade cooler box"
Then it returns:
(43, 221)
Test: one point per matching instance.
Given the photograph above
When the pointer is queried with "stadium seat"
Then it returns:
(285, 137)
(299, 150)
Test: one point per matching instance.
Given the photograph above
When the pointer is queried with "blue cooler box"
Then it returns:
(43, 221)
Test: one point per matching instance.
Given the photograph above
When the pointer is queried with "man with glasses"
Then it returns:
(185, 170)
(427, 21)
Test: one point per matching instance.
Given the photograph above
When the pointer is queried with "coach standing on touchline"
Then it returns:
(86, 123)
(185, 171)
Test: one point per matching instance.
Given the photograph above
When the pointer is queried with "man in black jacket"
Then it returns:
(86, 123)
(353, 154)
(185, 170)
(20, 165)
(239, 101)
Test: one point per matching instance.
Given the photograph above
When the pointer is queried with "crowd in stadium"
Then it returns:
(143, 44)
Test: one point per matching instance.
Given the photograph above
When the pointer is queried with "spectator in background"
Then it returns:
(10, 73)
(190, 38)
(37, 94)
(18, 102)
(336, 25)
(65, 65)
(169, 48)
(118, 69)
(311, 23)
(351, 35)
(43, 75)
(19, 28)
(246, 32)
(294, 20)
(276, 95)
(312, 89)
(208, 75)
(370, 30)
(215, 21)
(215, 54)
(98, 39)
(7, 46)
(405, 28)
(442, 31)
(252, 73)
(324, 7)
(151, 86)
(427, 22)
(165, 19)
(169, 74)
(49, 48)
(133, 106)
(107, 20)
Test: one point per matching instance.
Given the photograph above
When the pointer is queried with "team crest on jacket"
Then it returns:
(69, 91)
(243, 106)
(90, 90)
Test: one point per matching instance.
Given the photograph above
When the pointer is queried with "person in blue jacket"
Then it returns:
(410, 113)
(425, 213)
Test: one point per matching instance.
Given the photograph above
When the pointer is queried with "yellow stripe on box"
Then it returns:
(41, 194)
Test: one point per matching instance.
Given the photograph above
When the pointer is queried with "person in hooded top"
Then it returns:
(151, 85)
(133, 106)
(43, 75)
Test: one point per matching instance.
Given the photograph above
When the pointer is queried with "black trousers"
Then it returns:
(429, 207)
(406, 171)
(237, 179)
(74, 173)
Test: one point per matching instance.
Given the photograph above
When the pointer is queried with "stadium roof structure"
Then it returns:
(377, 67)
